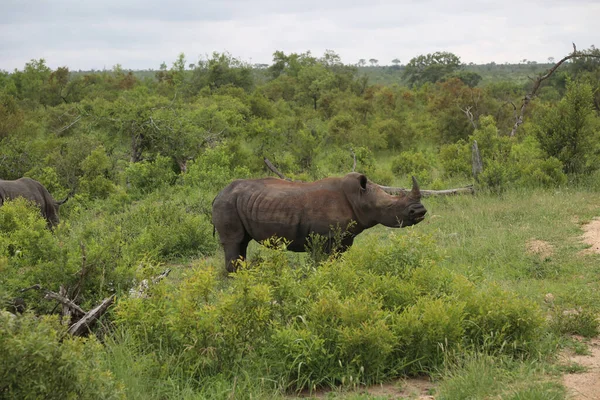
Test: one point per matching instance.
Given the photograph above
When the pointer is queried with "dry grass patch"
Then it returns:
(541, 248)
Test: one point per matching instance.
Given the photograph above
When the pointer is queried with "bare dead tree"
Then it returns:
(353, 159)
(477, 165)
(538, 82)
(470, 117)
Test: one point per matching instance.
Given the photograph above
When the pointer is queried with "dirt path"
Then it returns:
(584, 385)
(591, 236)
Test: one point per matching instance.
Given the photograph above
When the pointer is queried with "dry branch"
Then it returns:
(395, 190)
(470, 116)
(537, 83)
(275, 170)
(477, 165)
(425, 192)
(140, 291)
(50, 295)
(81, 327)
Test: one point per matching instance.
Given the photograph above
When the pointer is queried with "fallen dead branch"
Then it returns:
(424, 192)
(396, 190)
(50, 295)
(140, 291)
(81, 327)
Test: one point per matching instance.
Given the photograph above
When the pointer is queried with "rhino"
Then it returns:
(259, 209)
(34, 191)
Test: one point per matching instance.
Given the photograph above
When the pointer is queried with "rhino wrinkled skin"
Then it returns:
(260, 209)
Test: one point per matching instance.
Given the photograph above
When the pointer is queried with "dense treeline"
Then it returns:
(145, 154)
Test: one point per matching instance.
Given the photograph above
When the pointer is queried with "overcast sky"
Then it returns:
(141, 34)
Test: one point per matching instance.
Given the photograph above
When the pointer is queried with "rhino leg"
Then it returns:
(233, 253)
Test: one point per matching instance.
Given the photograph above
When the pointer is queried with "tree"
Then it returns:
(290, 64)
(567, 131)
(31, 83)
(587, 67)
(396, 62)
(218, 71)
(469, 78)
(362, 62)
(430, 68)
(313, 81)
(373, 62)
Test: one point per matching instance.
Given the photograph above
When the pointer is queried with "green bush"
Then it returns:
(30, 254)
(97, 170)
(455, 159)
(409, 163)
(147, 176)
(495, 176)
(575, 322)
(501, 321)
(351, 320)
(426, 330)
(38, 361)
(215, 168)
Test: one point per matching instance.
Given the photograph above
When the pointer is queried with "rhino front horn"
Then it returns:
(415, 189)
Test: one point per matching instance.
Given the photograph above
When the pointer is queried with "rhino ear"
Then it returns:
(415, 192)
(363, 181)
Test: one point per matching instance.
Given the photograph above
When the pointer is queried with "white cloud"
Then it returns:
(142, 34)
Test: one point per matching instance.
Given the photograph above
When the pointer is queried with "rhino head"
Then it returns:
(373, 205)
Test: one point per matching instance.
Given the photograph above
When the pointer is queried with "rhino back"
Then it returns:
(31, 190)
(273, 207)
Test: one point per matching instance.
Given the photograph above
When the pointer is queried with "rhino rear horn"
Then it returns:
(416, 192)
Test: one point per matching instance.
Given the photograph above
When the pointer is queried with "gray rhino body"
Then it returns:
(262, 208)
(34, 191)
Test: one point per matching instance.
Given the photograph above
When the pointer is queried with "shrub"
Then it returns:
(455, 159)
(29, 253)
(408, 163)
(39, 362)
(214, 169)
(575, 322)
(427, 329)
(502, 321)
(97, 170)
(355, 319)
(148, 176)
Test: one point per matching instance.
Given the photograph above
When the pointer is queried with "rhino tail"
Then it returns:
(71, 194)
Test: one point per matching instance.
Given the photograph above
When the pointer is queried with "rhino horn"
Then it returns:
(416, 192)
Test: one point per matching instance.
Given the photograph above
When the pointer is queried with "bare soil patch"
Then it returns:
(584, 385)
(591, 236)
(539, 247)
(408, 388)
